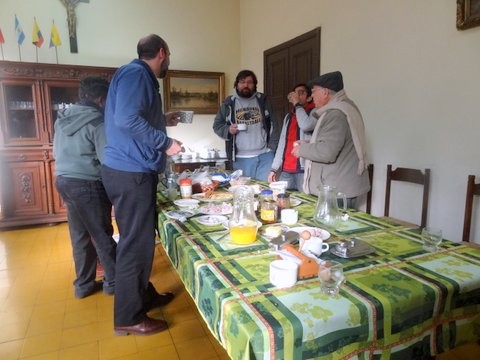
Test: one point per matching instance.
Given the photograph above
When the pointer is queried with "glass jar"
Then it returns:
(268, 207)
(186, 188)
(283, 202)
(243, 224)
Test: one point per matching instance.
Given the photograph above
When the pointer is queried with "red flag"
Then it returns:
(2, 39)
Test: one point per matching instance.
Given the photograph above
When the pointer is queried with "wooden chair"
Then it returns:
(369, 194)
(413, 176)
(472, 190)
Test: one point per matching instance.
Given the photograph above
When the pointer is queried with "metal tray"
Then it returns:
(351, 248)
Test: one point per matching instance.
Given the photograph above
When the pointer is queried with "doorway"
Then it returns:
(295, 61)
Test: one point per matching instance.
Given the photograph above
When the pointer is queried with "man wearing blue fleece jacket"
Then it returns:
(135, 152)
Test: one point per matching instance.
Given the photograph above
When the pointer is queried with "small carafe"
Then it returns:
(327, 211)
(243, 224)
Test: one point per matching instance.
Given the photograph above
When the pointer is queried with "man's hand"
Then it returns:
(233, 129)
(296, 145)
(271, 176)
(172, 118)
(175, 148)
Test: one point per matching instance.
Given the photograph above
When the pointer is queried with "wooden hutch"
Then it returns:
(31, 94)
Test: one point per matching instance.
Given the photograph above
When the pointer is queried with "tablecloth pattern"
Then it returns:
(399, 302)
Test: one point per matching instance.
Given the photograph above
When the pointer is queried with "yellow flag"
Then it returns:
(37, 38)
(54, 37)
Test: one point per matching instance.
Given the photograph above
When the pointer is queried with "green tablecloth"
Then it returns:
(399, 302)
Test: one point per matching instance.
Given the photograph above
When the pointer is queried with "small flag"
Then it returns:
(37, 38)
(2, 39)
(19, 31)
(54, 37)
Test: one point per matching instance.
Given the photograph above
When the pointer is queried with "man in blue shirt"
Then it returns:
(135, 152)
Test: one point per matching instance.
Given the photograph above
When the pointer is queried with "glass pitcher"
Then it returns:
(327, 211)
(243, 224)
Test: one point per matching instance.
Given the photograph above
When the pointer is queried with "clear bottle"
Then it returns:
(243, 224)
(268, 207)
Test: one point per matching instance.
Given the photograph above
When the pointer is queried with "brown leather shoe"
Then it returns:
(147, 327)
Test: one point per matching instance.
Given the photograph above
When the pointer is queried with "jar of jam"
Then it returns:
(186, 188)
(283, 202)
(268, 207)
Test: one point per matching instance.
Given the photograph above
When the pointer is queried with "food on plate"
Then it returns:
(305, 235)
(273, 231)
(216, 208)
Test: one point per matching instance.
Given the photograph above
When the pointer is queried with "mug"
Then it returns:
(242, 127)
(289, 216)
(283, 273)
(313, 246)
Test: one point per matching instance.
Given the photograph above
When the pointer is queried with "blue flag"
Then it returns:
(19, 31)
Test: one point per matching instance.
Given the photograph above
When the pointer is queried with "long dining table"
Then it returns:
(398, 302)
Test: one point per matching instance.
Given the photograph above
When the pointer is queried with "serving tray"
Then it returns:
(351, 248)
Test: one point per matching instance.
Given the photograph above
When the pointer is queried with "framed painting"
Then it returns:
(199, 91)
(468, 14)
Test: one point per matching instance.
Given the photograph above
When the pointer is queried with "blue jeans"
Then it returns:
(89, 213)
(256, 167)
(295, 180)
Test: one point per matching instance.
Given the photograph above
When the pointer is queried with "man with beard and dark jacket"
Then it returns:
(245, 122)
(78, 151)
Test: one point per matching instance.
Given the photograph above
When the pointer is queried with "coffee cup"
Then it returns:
(313, 246)
(289, 216)
(242, 127)
(283, 273)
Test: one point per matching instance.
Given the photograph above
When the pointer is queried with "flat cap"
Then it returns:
(331, 80)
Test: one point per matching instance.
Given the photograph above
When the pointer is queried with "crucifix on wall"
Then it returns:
(70, 6)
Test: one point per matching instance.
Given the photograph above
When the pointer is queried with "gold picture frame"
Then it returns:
(198, 91)
(468, 14)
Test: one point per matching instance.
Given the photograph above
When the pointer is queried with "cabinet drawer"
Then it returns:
(26, 155)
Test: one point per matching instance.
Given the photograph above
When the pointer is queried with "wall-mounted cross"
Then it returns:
(70, 6)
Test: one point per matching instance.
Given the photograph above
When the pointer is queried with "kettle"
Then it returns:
(327, 211)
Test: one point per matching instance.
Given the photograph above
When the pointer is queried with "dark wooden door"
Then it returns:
(285, 65)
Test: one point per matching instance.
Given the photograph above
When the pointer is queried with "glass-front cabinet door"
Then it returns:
(21, 113)
(59, 95)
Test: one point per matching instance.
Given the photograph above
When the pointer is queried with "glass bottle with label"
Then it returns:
(268, 207)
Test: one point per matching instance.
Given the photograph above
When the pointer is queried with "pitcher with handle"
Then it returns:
(327, 211)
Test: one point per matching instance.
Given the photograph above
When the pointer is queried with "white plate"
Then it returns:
(186, 203)
(216, 209)
(212, 220)
(224, 197)
(322, 234)
(181, 215)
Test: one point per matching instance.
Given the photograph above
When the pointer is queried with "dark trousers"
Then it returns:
(89, 213)
(134, 199)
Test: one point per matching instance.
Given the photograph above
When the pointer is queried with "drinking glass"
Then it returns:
(431, 238)
(331, 276)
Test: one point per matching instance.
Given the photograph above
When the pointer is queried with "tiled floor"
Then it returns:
(41, 320)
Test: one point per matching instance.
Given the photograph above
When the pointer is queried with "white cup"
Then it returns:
(283, 273)
(313, 246)
(289, 216)
(242, 127)
(278, 187)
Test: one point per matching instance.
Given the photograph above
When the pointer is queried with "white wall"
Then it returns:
(202, 35)
(413, 75)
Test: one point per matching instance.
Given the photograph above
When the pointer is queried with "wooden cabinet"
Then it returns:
(31, 94)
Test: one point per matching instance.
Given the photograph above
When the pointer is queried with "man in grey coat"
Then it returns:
(336, 154)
